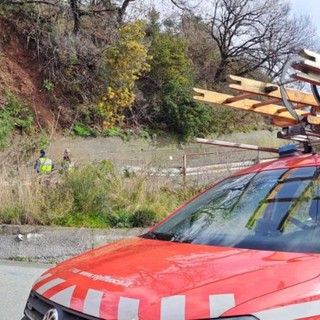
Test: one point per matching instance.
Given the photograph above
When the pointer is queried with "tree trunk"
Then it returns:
(220, 74)
(74, 4)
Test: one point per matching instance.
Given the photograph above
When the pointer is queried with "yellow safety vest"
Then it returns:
(45, 165)
(71, 167)
(68, 166)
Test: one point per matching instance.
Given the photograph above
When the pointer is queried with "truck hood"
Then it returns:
(151, 279)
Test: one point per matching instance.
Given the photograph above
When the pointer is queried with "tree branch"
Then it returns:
(122, 9)
(31, 1)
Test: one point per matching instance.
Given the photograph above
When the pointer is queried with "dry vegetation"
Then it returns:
(92, 67)
(95, 195)
(85, 68)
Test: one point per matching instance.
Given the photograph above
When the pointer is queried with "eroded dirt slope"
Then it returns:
(21, 73)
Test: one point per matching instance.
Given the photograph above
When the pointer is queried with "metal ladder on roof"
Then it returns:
(296, 112)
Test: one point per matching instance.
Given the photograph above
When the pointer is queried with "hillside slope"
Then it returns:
(21, 74)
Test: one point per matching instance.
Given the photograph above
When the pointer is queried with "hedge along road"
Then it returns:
(16, 280)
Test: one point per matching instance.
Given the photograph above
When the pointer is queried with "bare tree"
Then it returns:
(201, 48)
(81, 8)
(94, 8)
(253, 34)
(186, 5)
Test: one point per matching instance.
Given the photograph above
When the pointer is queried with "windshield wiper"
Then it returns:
(180, 239)
(164, 237)
(149, 235)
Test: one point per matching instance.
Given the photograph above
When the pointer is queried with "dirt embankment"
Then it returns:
(22, 74)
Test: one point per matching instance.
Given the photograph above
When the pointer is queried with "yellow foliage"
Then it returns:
(126, 61)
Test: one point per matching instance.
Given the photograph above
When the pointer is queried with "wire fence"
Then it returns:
(197, 164)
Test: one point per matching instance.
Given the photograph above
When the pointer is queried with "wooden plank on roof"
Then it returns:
(310, 62)
(265, 103)
(262, 89)
(239, 97)
(313, 120)
(300, 106)
(312, 78)
(310, 55)
(282, 122)
(218, 99)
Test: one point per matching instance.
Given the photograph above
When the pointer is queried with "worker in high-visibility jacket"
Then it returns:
(67, 165)
(43, 164)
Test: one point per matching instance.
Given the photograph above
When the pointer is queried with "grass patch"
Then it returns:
(96, 195)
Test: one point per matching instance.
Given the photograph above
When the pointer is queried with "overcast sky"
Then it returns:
(310, 7)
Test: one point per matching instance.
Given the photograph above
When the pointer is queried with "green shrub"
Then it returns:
(19, 113)
(12, 214)
(119, 219)
(144, 134)
(6, 128)
(14, 115)
(48, 85)
(86, 221)
(143, 218)
(128, 172)
(81, 130)
(111, 132)
(88, 189)
(182, 115)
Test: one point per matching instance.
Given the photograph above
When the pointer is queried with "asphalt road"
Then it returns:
(16, 280)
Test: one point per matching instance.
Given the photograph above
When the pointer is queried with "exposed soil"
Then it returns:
(21, 74)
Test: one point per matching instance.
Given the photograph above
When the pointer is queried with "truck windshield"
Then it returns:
(270, 210)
